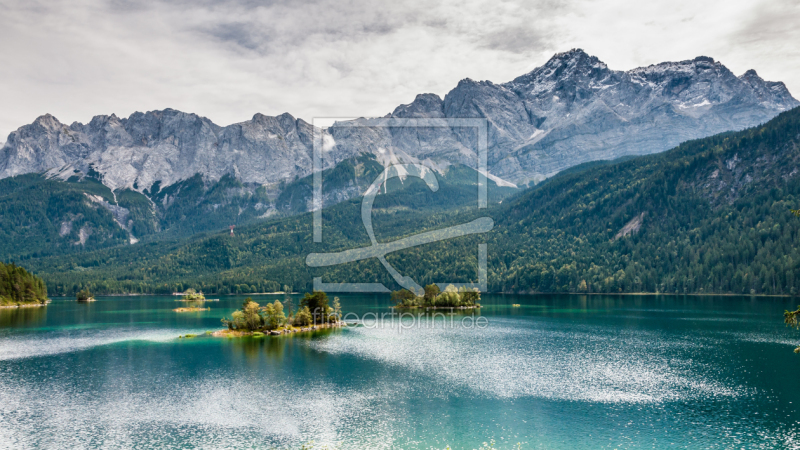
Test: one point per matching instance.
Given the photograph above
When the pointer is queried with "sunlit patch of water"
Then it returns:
(216, 412)
(511, 360)
(70, 340)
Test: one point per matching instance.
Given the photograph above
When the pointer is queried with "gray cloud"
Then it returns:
(227, 59)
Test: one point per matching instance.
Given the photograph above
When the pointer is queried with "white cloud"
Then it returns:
(229, 59)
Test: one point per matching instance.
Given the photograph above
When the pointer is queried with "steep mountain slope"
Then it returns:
(45, 217)
(712, 216)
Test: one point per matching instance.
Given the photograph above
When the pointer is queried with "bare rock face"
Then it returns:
(579, 110)
(167, 146)
(572, 110)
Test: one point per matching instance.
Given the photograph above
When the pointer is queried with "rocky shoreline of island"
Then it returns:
(278, 332)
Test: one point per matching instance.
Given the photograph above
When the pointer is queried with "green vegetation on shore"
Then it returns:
(18, 287)
(434, 298)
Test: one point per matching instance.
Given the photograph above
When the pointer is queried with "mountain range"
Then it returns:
(712, 215)
(170, 171)
(572, 110)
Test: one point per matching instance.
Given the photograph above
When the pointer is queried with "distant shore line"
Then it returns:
(25, 305)
(648, 293)
(251, 293)
(174, 294)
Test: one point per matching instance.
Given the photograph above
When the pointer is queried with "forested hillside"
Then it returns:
(40, 217)
(710, 216)
(44, 217)
(17, 286)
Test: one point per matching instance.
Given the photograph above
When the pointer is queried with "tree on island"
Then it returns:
(303, 317)
(403, 296)
(470, 296)
(84, 295)
(273, 315)
(431, 291)
(317, 304)
(252, 317)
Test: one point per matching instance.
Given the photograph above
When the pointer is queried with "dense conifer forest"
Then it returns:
(710, 216)
(18, 287)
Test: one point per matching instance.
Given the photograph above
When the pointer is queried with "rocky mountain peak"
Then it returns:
(48, 122)
(563, 71)
(574, 57)
(751, 74)
(704, 59)
(424, 105)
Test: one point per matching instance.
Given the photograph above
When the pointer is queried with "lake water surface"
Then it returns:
(557, 372)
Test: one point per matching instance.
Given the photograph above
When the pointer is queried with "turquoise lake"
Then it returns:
(557, 372)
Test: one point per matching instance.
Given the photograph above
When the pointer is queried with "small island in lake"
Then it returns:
(191, 309)
(434, 298)
(84, 296)
(192, 296)
(277, 318)
(21, 289)
(195, 297)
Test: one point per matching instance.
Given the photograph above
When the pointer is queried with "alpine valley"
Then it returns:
(143, 204)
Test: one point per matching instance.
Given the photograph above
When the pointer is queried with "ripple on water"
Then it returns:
(215, 412)
(508, 360)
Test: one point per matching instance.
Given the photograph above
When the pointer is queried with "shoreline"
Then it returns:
(443, 308)
(172, 295)
(278, 332)
(26, 305)
(646, 293)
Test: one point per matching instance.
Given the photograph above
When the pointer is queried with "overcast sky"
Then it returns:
(228, 59)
